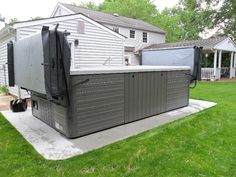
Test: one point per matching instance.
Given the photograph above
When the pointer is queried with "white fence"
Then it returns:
(207, 73)
(225, 71)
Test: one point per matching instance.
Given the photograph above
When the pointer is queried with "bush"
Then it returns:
(4, 89)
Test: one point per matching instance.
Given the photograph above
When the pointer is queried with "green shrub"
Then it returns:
(4, 89)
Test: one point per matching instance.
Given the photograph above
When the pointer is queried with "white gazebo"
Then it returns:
(218, 46)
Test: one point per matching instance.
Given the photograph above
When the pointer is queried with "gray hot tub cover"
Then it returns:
(56, 62)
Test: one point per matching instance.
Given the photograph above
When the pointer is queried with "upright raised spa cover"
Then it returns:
(41, 63)
(56, 52)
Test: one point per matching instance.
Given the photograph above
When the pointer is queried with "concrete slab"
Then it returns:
(54, 146)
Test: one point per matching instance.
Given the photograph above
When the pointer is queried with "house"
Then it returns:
(138, 33)
(219, 55)
(91, 42)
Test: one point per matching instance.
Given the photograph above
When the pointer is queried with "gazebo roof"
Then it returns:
(218, 43)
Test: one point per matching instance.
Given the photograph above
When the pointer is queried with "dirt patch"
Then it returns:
(5, 102)
(222, 80)
(227, 80)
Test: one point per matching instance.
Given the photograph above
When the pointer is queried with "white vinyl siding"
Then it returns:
(96, 45)
(3, 61)
(137, 42)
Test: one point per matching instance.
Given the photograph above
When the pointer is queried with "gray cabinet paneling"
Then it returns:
(101, 101)
(145, 95)
(98, 102)
(52, 114)
(177, 89)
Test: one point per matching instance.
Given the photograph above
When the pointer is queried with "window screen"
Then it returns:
(145, 37)
(132, 34)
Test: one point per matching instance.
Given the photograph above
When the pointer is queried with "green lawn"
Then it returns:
(203, 144)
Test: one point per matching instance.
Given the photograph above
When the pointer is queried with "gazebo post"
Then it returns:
(215, 63)
(232, 70)
(234, 64)
(220, 59)
(219, 65)
(235, 60)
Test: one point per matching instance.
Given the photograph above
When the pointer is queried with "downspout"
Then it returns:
(140, 57)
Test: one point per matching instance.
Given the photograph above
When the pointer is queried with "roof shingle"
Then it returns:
(106, 18)
(205, 43)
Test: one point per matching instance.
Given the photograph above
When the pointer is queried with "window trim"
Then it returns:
(134, 34)
(146, 37)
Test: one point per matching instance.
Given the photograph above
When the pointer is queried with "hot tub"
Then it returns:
(86, 100)
(104, 97)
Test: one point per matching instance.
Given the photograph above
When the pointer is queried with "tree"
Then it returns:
(184, 21)
(90, 5)
(168, 22)
(2, 19)
(224, 16)
(142, 9)
(193, 19)
(12, 21)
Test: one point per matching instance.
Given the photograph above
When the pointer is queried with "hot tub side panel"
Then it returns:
(97, 102)
(177, 89)
(152, 93)
(54, 115)
(145, 95)
(102, 101)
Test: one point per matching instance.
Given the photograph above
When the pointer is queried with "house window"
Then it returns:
(132, 34)
(80, 28)
(116, 29)
(145, 40)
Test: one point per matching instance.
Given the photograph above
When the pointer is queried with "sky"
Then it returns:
(25, 9)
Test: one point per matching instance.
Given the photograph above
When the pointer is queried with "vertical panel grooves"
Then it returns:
(108, 100)
(51, 114)
(147, 95)
(155, 92)
(102, 105)
(177, 89)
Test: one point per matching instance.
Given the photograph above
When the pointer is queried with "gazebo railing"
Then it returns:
(207, 73)
(225, 71)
